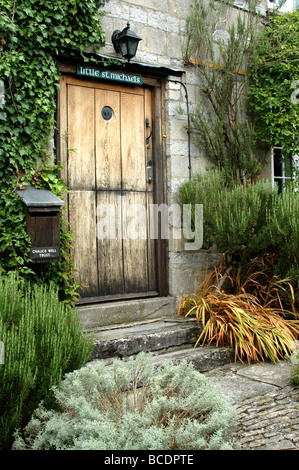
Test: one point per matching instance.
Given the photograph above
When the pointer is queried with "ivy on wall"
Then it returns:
(275, 83)
(32, 32)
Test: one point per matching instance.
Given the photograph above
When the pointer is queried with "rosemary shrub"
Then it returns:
(43, 339)
(134, 405)
(245, 220)
(234, 214)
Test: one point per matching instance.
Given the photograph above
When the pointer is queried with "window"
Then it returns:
(283, 168)
(288, 5)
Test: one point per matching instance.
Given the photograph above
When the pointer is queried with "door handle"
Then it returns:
(149, 172)
(151, 130)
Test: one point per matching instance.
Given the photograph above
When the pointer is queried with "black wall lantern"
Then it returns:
(125, 42)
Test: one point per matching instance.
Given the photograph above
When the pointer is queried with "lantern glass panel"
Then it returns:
(123, 47)
(132, 47)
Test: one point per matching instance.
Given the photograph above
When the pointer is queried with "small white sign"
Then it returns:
(109, 75)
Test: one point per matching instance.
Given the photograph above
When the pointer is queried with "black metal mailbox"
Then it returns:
(42, 210)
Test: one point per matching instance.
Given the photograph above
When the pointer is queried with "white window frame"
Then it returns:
(289, 5)
(283, 177)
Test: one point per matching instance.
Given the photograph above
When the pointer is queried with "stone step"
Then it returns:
(127, 340)
(99, 315)
(168, 340)
(203, 358)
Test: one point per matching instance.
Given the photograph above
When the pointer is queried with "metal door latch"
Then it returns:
(147, 123)
(149, 172)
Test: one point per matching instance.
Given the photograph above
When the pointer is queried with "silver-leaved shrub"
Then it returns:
(133, 405)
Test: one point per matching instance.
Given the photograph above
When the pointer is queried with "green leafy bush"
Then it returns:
(274, 83)
(246, 220)
(283, 223)
(240, 222)
(43, 339)
(133, 406)
(209, 190)
(234, 214)
(283, 232)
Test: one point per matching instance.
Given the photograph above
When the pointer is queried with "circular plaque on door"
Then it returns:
(107, 113)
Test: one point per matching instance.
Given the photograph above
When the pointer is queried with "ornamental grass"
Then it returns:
(255, 324)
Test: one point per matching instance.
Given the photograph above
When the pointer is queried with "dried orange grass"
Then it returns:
(255, 330)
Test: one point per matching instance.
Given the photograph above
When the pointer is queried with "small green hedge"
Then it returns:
(42, 339)
(247, 219)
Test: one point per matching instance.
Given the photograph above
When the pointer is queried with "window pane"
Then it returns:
(288, 166)
(295, 162)
(277, 162)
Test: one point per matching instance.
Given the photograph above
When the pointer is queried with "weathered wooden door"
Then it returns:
(107, 159)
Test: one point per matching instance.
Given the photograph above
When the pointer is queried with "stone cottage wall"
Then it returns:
(160, 23)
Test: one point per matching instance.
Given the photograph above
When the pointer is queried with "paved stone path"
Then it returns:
(270, 421)
(267, 405)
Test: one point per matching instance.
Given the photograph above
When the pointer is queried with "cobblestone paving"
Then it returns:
(269, 422)
(267, 405)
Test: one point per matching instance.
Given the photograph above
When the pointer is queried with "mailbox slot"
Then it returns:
(42, 211)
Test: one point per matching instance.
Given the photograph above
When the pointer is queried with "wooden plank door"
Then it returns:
(105, 157)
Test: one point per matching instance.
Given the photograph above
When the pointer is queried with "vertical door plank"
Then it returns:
(132, 142)
(108, 152)
(148, 133)
(109, 241)
(81, 155)
(160, 177)
(84, 250)
(151, 243)
(151, 247)
(135, 242)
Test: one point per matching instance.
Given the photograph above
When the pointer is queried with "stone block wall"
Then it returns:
(160, 24)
